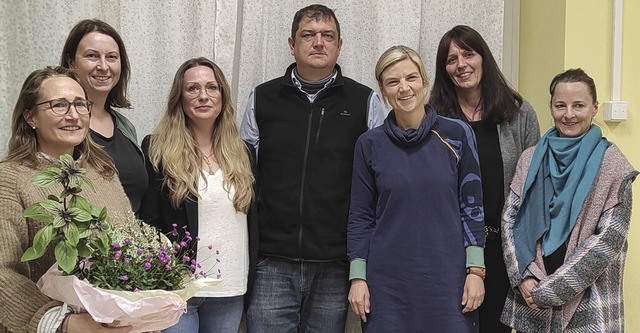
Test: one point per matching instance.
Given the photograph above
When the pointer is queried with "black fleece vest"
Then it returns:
(305, 161)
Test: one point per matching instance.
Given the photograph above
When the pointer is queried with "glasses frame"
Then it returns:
(89, 105)
(217, 92)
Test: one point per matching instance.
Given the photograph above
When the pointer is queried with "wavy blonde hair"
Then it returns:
(174, 150)
(23, 144)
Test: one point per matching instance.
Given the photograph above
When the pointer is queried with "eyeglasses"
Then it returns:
(61, 106)
(193, 90)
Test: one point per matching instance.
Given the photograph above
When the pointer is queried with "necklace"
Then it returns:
(209, 161)
(471, 115)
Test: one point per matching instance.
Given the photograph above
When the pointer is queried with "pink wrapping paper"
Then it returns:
(147, 310)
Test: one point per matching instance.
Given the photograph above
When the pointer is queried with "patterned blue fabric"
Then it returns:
(416, 205)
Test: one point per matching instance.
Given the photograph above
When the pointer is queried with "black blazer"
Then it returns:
(157, 211)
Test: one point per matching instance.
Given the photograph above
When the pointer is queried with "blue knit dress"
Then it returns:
(416, 205)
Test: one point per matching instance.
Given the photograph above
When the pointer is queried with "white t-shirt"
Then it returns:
(225, 230)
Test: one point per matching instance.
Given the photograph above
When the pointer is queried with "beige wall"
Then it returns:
(560, 34)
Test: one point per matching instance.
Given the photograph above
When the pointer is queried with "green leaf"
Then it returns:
(67, 161)
(58, 222)
(80, 215)
(71, 234)
(36, 212)
(83, 250)
(77, 201)
(103, 214)
(52, 206)
(41, 241)
(66, 256)
(65, 193)
(46, 177)
(101, 243)
(31, 254)
(80, 180)
(53, 197)
(84, 231)
(42, 238)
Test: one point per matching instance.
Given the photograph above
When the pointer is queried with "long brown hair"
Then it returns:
(173, 149)
(23, 144)
(500, 101)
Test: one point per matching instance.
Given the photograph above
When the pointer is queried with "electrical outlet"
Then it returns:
(615, 111)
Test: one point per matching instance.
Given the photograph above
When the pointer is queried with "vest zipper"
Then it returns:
(319, 126)
(304, 174)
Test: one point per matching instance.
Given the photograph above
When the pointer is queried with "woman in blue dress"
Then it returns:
(416, 225)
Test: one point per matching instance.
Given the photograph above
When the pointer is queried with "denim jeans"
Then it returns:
(210, 315)
(298, 296)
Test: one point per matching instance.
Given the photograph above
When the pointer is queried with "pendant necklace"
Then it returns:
(209, 162)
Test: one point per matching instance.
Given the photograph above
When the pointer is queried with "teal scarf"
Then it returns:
(560, 176)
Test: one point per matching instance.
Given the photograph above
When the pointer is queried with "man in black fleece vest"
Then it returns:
(304, 126)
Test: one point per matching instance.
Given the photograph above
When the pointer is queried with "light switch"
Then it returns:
(615, 111)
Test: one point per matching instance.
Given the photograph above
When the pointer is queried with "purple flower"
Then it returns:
(127, 241)
(115, 245)
(174, 225)
(174, 233)
(210, 247)
(127, 261)
(198, 238)
(139, 251)
(183, 244)
(147, 265)
(124, 278)
(117, 255)
(186, 258)
(167, 267)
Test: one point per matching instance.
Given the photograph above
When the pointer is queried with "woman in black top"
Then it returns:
(95, 51)
(469, 85)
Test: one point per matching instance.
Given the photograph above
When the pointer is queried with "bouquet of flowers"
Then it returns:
(125, 271)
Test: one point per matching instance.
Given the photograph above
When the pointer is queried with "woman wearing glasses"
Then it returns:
(200, 179)
(51, 118)
(96, 52)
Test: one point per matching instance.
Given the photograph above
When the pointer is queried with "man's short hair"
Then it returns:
(316, 12)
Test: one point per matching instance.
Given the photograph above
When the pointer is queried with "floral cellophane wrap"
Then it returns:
(147, 310)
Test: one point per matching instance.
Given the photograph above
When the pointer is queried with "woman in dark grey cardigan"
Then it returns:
(469, 85)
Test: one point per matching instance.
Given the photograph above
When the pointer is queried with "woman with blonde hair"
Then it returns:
(416, 230)
(201, 179)
(50, 119)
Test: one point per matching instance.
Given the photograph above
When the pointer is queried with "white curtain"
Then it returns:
(246, 38)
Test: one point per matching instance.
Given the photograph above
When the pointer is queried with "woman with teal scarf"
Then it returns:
(566, 221)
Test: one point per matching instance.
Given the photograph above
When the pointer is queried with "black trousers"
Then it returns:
(496, 285)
